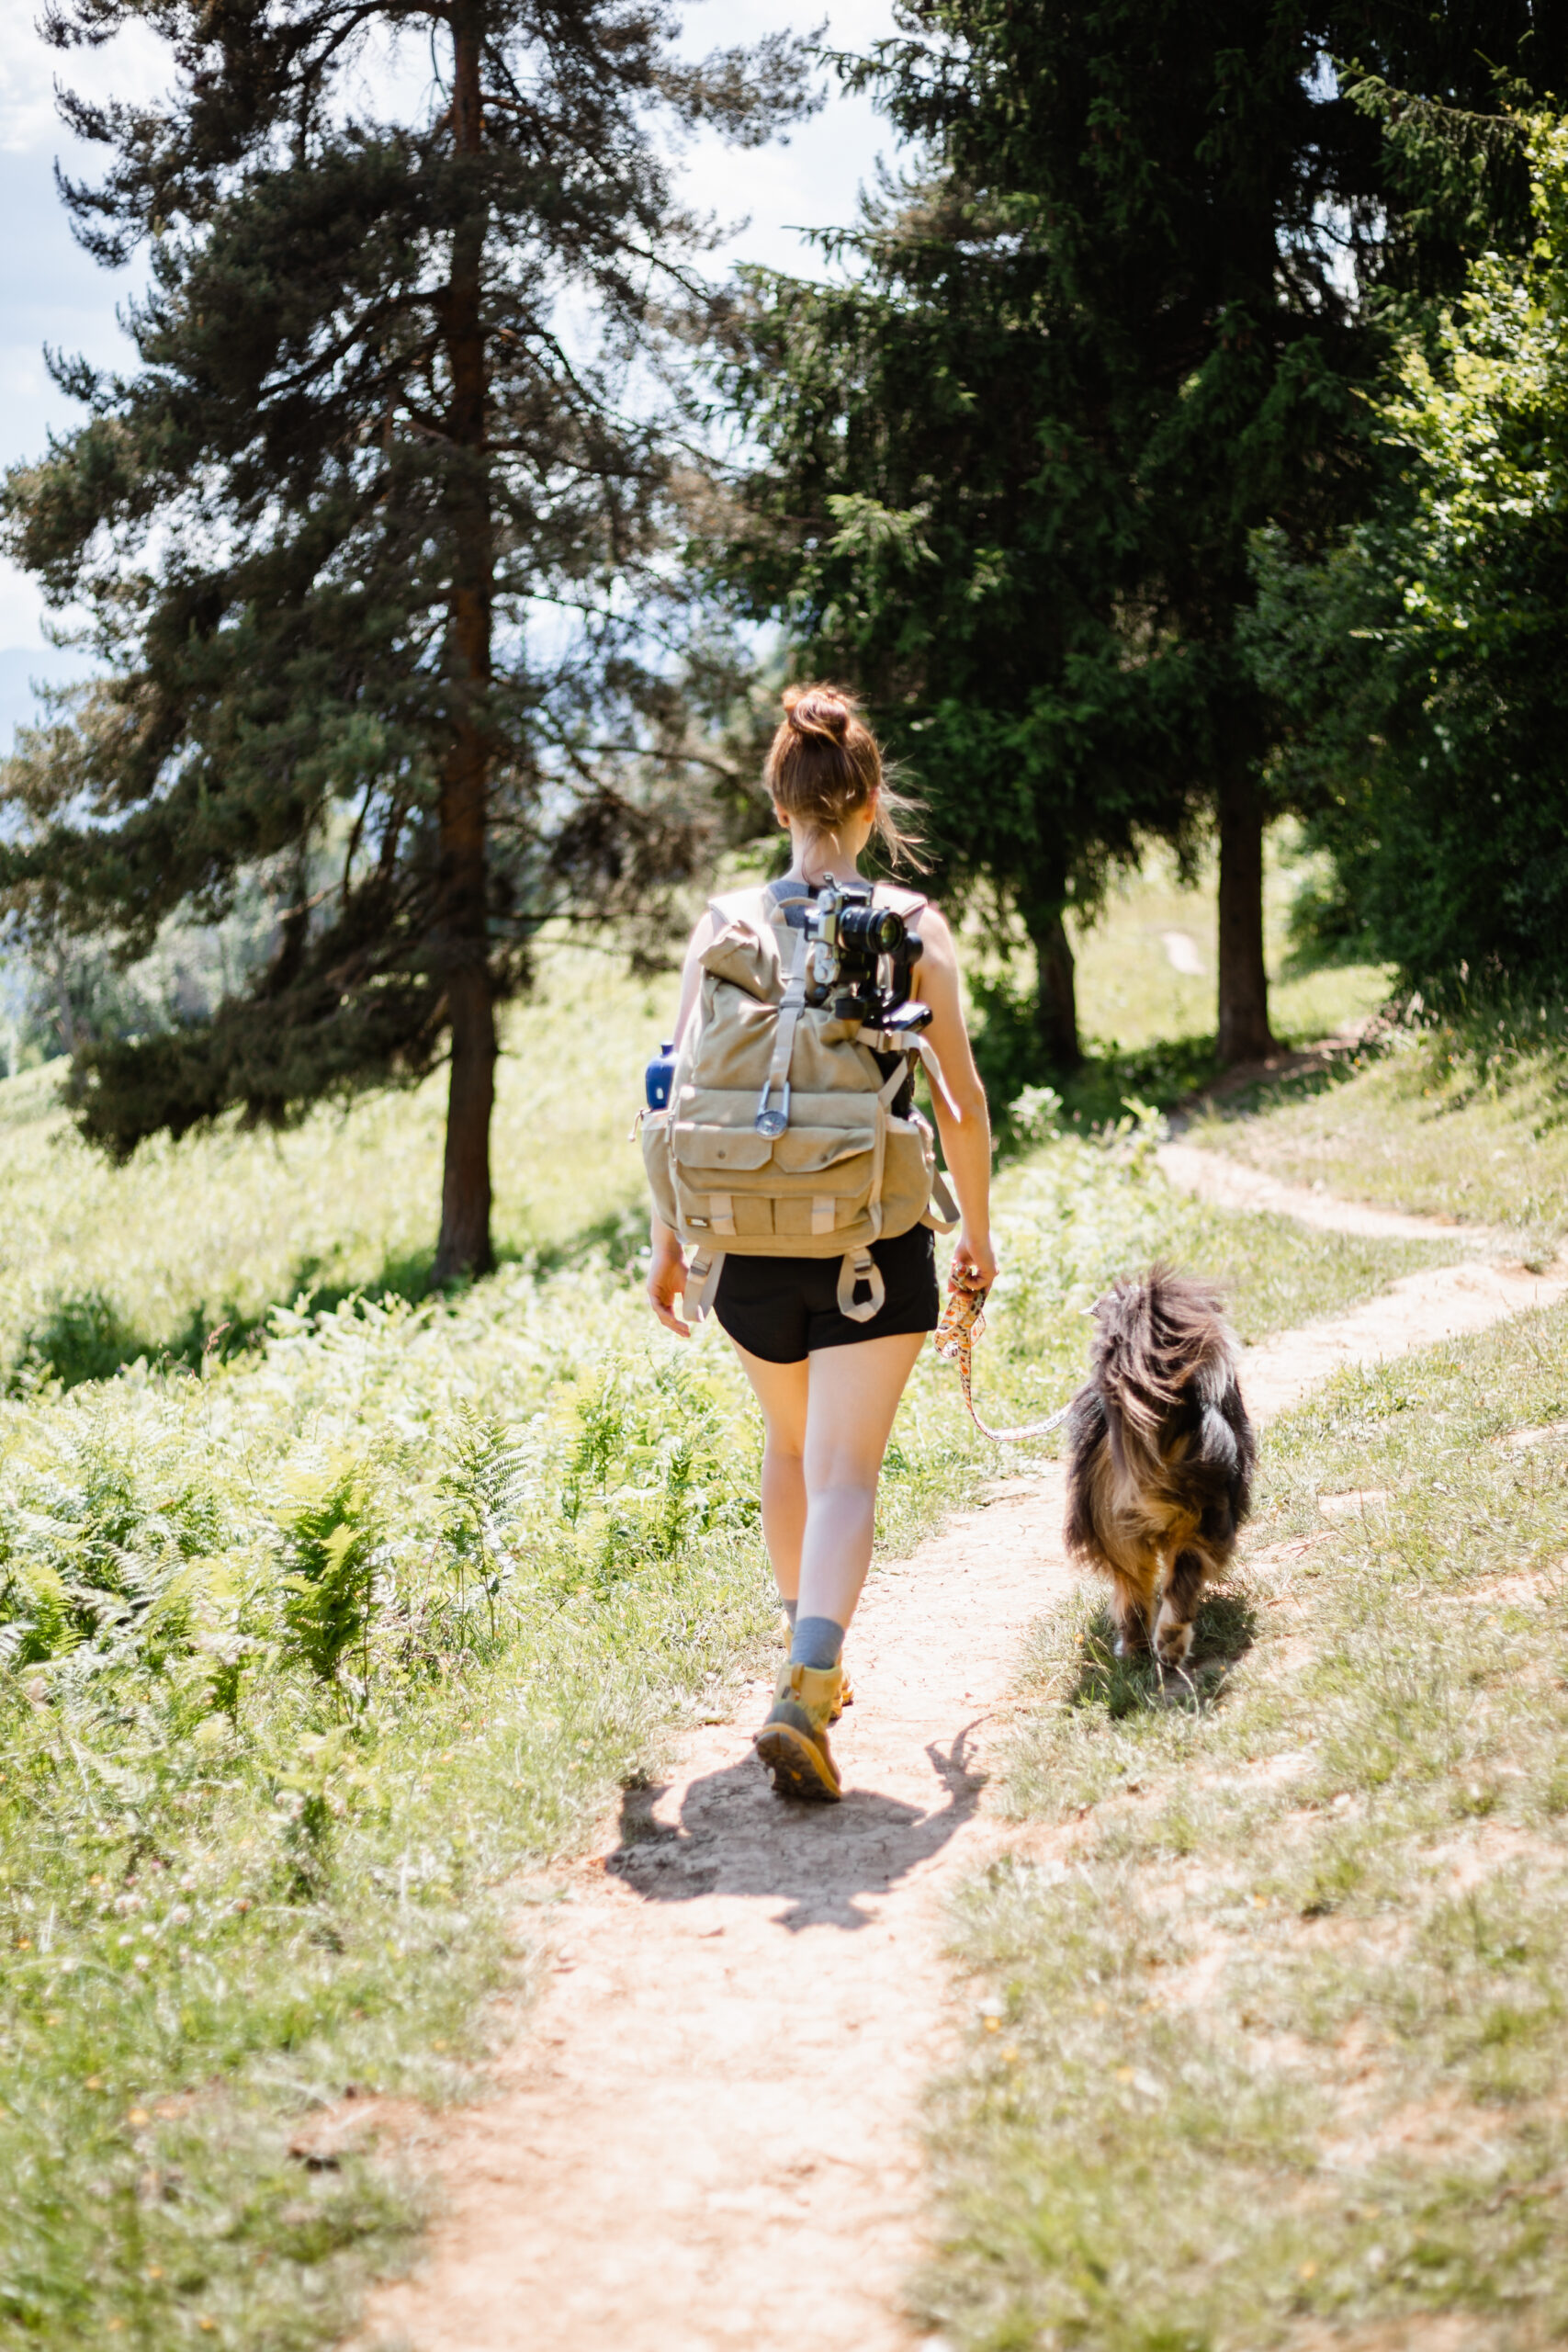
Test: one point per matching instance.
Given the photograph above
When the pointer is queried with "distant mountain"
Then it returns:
(21, 666)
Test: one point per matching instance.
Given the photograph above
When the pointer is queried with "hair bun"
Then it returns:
(817, 710)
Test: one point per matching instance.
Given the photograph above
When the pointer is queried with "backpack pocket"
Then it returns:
(658, 1165)
(736, 1150)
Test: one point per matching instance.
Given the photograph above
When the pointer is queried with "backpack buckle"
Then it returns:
(772, 1123)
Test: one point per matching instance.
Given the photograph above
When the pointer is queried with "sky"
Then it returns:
(51, 292)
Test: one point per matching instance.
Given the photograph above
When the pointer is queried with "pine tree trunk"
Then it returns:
(1244, 981)
(1055, 1001)
(465, 1245)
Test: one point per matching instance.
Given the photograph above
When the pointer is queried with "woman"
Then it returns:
(828, 1386)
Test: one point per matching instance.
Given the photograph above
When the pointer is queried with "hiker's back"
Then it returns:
(788, 1133)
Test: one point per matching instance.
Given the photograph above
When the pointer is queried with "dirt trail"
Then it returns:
(706, 2135)
(1232, 1185)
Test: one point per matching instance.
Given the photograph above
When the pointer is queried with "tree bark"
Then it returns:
(1244, 1034)
(464, 1248)
(1055, 1001)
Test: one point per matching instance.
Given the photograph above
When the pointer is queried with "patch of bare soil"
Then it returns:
(1526, 1440)
(706, 2133)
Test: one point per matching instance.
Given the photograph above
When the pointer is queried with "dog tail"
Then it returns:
(1164, 1352)
(1157, 1338)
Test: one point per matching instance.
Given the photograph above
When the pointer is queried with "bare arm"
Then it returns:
(667, 1271)
(959, 1101)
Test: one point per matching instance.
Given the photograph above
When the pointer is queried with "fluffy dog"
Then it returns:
(1160, 1456)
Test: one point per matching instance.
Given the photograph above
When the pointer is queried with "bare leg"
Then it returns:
(854, 1393)
(780, 1390)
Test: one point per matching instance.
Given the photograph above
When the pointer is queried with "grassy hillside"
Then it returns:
(1146, 967)
(315, 1645)
(1424, 1123)
(311, 1654)
(98, 1266)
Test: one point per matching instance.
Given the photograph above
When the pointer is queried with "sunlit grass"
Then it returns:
(1147, 967)
(312, 1654)
(322, 1643)
(219, 1228)
(1269, 2044)
(1417, 1125)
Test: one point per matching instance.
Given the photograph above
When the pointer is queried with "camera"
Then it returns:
(861, 957)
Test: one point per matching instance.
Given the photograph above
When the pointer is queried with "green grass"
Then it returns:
(1269, 2035)
(323, 1640)
(1423, 1122)
(1146, 1021)
(315, 1654)
(1133, 998)
(101, 1265)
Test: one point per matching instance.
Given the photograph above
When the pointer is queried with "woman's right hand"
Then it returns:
(667, 1280)
(973, 1264)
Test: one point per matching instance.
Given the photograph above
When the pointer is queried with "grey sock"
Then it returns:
(817, 1641)
(789, 1608)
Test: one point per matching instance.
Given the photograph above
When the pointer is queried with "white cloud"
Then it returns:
(21, 609)
(131, 66)
(811, 181)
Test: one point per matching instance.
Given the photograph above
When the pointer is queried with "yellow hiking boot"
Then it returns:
(793, 1743)
(846, 1697)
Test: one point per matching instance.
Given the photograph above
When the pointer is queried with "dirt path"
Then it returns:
(1231, 1185)
(706, 2133)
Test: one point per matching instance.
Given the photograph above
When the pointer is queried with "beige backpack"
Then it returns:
(780, 1140)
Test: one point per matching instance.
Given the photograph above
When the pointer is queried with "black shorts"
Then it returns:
(781, 1309)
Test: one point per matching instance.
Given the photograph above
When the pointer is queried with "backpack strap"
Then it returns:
(942, 1210)
(888, 1094)
(860, 1266)
(701, 1285)
(770, 1122)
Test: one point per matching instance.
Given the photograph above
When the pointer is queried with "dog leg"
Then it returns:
(1173, 1635)
(1130, 1606)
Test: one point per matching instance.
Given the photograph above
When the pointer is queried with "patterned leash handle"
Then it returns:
(963, 1322)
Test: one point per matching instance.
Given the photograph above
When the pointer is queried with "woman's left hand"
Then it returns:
(666, 1283)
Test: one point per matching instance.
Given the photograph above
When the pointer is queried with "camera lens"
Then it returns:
(876, 930)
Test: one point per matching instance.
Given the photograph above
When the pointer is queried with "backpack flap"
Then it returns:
(749, 959)
(699, 1146)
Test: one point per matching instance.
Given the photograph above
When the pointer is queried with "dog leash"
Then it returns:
(963, 1322)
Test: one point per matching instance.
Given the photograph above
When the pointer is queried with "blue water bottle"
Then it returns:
(659, 1077)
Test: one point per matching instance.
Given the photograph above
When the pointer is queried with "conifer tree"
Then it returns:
(370, 540)
(1123, 316)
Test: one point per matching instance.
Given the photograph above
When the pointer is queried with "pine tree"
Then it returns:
(372, 540)
(1123, 317)
(935, 534)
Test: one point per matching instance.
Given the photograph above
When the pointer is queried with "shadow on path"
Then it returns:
(734, 1836)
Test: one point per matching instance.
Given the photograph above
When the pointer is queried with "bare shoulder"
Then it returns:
(936, 934)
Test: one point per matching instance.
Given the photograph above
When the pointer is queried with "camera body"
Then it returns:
(861, 958)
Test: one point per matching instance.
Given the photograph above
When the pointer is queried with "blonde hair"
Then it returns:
(824, 765)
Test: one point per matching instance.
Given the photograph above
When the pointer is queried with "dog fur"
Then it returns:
(1160, 1456)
